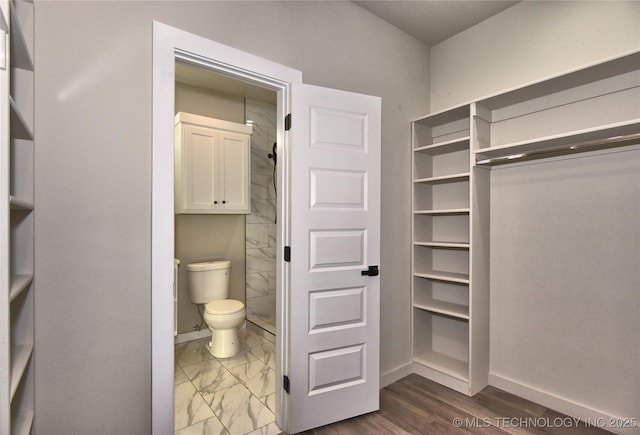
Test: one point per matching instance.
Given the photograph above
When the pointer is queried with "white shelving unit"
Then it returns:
(17, 216)
(442, 248)
(587, 109)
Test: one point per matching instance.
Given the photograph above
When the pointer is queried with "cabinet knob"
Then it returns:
(215, 202)
(224, 202)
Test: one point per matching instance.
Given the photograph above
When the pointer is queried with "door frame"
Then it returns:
(171, 44)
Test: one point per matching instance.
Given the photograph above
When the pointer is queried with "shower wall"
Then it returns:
(260, 224)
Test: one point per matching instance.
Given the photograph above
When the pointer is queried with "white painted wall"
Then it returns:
(527, 42)
(93, 180)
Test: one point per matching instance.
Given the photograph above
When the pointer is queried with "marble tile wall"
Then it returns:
(260, 224)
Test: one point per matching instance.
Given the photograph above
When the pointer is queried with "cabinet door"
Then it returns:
(234, 182)
(199, 168)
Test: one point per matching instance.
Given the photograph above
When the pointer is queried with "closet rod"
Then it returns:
(593, 145)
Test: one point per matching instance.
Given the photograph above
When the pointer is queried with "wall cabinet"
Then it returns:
(212, 165)
(17, 404)
(454, 151)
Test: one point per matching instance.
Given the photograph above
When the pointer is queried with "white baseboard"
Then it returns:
(193, 335)
(561, 404)
(396, 374)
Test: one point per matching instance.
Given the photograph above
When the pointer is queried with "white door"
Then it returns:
(234, 182)
(333, 368)
(200, 167)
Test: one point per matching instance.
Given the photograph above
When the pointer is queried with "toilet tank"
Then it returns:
(209, 281)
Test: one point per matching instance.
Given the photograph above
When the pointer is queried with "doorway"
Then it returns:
(235, 394)
(328, 210)
(171, 45)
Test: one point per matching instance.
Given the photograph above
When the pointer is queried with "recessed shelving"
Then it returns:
(443, 211)
(17, 409)
(444, 178)
(18, 284)
(19, 127)
(445, 308)
(21, 354)
(452, 366)
(23, 423)
(445, 276)
(442, 244)
(20, 204)
(448, 146)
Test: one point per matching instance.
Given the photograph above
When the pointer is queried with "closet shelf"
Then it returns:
(445, 308)
(19, 127)
(577, 141)
(445, 147)
(20, 360)
(449, 211)
(445, 364)
(461, 278)
(21, 50)
(23, 423)
(20, 204)
(444, 178)
(444, 116)
(443, 245)
(18, 284)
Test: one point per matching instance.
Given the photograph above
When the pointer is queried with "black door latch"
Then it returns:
(372, 271)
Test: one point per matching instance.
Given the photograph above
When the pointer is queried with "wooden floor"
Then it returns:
(415, 405)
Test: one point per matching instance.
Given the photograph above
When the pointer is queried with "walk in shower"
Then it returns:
(261, 223)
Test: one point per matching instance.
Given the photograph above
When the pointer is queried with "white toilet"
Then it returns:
(209, 285)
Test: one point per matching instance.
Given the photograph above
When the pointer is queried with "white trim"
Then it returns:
(171, 44)
(193, 335)
(396, 374)
(558, 403)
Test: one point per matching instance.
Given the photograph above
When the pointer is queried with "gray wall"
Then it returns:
(527, 42)
(93, 180)
(564, 238)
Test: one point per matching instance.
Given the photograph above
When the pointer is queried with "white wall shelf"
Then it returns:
(21, 356)
(462, 278)
(442, 244)
(19, 283)
(449, 211)
(587, 138)
(445, 308)
(444, 178)
(450, 366)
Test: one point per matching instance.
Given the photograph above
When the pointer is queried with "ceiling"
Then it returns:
(203, 78)
(430, 21)
(433, 21)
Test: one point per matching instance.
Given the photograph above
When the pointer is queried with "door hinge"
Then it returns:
(287, 122)
(287, 253)
(285, 383)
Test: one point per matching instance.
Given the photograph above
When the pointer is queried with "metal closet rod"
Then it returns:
(598, 144)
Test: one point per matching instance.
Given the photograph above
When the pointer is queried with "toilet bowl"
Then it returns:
(224, 317)
(209, 285)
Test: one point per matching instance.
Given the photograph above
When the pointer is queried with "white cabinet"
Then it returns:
(17, 287)
(212, 165)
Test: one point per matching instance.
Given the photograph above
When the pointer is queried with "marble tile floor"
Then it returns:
(230, 396)
(264, 322)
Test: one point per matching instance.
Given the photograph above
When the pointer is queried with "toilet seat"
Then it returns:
(224, 306)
